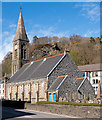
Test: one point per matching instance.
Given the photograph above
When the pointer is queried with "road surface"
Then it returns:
(13, 114)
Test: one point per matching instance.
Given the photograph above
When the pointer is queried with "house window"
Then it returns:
(83, 74)
(93, 81)
(0, 86)
(3, 85)
(96, 81)
(87, 74)
(96, 88)
(93, 74)
(96, 74)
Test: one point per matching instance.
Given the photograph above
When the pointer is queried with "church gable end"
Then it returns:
(65, 67)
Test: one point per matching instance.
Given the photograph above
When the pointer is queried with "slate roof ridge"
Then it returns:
(44, 58)
(91, 67)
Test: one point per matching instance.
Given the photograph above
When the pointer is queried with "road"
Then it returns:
(13, 114)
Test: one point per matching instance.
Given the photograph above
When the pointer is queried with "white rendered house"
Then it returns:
(94, 74)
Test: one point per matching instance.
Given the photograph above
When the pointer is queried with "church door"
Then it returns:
(50, 97)
(54, 97)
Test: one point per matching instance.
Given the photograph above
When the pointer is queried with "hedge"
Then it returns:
(70, 103)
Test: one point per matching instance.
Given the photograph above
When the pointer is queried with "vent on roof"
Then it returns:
(31, 63)
(44, 59)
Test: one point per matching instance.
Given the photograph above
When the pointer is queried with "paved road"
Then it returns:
(10, 114)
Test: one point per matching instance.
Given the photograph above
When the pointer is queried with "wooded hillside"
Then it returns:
(83, 50)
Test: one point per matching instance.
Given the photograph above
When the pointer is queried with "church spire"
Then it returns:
(20, 54)
(20, 32)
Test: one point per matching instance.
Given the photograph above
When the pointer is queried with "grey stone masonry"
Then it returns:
(66, 90)
(70, 110)
(66, 67)
(87, 89)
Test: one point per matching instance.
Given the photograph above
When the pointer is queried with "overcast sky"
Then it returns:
(50, 19)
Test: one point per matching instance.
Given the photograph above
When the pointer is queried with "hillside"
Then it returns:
(83, 50)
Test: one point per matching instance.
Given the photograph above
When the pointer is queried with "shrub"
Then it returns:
(70, 103)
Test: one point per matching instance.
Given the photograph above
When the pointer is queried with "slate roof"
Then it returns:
(56, 83)
(59, 81)
(90, 67)
(38, 69)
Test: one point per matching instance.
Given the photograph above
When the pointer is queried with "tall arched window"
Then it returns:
(33, 90)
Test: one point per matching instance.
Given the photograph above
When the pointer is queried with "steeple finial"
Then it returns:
(20, 6)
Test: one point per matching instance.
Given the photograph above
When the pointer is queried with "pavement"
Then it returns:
(13, 114)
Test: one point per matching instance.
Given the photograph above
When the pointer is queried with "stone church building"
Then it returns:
(54, 78)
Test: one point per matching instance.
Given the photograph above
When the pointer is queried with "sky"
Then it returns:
(49, 19)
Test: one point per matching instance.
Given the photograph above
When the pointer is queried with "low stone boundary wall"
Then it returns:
(70, 110)
(13, 104)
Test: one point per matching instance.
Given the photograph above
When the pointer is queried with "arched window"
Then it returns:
(33, 90)
(25, 54)
(16, 54)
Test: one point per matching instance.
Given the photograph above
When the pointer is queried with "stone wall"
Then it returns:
(66, 89)
(87, 90)
(66, 67)
(25, 91)
(70, 110)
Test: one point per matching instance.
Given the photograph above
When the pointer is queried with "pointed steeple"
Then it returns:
(20, 32)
